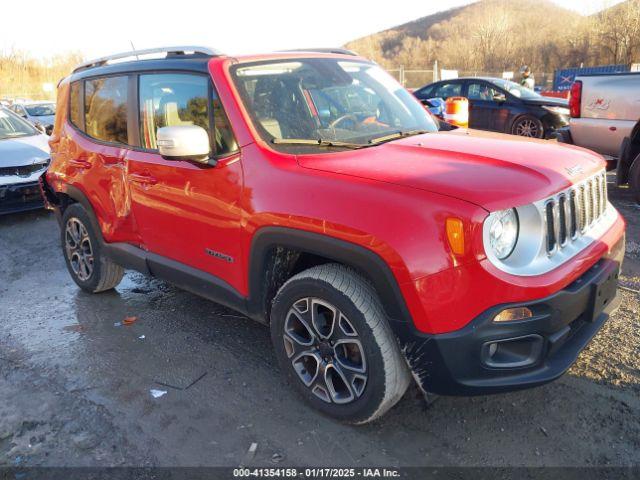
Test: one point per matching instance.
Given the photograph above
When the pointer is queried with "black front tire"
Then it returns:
(564, 136)
(82, 250)
(624, 162)
(634, 178)
(331, 292)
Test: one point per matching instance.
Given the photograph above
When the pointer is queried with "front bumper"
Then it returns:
(553, 123)
(20, 197)
(529, 352)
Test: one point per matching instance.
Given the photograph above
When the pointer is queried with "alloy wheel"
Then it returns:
(78, 248)
(527, 128)
(325, 351)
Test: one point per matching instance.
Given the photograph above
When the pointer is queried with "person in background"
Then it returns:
(527, 78)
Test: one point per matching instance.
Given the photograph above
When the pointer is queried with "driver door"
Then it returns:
(185, 211)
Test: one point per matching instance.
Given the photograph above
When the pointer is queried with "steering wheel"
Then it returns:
(344, 118)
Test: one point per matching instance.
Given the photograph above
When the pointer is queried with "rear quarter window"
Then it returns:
(105, 109)
(75, 104)
(425, 93)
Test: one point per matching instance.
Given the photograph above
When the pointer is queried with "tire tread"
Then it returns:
(362, 294)
(110, 273)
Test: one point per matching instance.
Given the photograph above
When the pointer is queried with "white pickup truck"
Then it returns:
(605, 117)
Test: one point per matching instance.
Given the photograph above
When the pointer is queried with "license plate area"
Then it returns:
(604, 292)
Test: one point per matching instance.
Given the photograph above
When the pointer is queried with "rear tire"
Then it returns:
(564, 136)
(82, 251)
(634, 178)
(528, 126)
(622, 170)
(334, 343)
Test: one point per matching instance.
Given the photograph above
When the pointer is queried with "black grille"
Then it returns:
(597, 186)
(582, 195)
(574, 212)
(23, 171)
(551, 230)
(562, 212)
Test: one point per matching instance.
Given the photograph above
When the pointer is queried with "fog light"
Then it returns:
(513, 314)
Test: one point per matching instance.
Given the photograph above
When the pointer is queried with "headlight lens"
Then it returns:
(503, 232)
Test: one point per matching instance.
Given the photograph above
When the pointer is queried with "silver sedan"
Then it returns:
(24, 158)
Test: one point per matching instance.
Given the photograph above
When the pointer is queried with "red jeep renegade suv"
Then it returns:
(311, 192)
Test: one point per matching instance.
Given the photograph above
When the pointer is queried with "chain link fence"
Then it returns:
(413, 79)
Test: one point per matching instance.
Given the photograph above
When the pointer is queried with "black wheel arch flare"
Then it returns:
(349, 254)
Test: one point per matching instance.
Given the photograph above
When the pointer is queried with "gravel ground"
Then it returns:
(75, 383)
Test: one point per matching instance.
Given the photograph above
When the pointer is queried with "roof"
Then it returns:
(195, 63)
(196, 60)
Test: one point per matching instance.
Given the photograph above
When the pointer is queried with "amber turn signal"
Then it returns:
(513, 314)
(455, 235)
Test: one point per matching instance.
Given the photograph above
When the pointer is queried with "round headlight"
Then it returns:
(503, 232)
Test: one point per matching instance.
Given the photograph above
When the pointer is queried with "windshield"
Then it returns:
(516, 90)
(13, 127)
(41, 110)
(328, 100)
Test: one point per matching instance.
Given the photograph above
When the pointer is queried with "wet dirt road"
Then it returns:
(75, 384)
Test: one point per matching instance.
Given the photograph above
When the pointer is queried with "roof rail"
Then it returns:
(338, 51)
(181, 50)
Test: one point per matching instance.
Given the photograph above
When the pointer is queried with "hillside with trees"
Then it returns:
(499, 35)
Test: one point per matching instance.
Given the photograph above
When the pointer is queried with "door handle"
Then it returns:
(80, 163)
(142, 179)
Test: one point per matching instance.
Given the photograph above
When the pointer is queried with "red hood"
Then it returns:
(491, 170)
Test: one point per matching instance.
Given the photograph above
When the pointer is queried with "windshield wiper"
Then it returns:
(320, 143)
(396, 135)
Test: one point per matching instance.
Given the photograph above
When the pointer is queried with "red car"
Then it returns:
(311, 192)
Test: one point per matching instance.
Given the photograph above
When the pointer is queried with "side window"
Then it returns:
(181, 99)
(105, 109)
(169, 100)
(482, 91)
(75, 105)
(447, 90)
(425, 93)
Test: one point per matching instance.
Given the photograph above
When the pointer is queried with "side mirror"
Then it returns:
(500, 98)
(185, 142)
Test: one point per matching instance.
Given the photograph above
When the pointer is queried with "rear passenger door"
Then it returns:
(96, 146)
(185, 211)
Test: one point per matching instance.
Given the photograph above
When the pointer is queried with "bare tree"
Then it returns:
(618, 29)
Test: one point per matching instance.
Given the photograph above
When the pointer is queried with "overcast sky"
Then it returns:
(99, 27)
